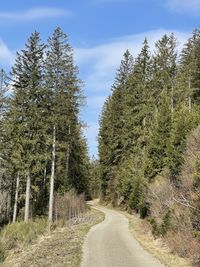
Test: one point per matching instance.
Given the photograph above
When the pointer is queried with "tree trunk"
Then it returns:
(16, 199)
(189, 96)
(67, 161)
(28, 187)
(172, 102)
(68, 154)
(8, 205)
(52, 176)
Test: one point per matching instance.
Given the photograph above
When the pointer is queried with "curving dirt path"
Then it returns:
(110, 244)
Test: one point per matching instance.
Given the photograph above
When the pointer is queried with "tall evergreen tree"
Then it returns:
(114, 106)
(165, 68)
(188, 81)
(66, 96)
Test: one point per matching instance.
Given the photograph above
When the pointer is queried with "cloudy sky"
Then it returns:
(100, 31)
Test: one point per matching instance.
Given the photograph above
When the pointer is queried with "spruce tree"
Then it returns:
(159, 138)
(189, 71)
(66, 98)
(165, 69)
(112, 143)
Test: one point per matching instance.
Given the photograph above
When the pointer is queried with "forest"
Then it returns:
(149, 138)
(149, 141)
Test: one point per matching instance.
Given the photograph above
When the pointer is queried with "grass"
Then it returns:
(141, 232)
(62, 247)
(18, 235)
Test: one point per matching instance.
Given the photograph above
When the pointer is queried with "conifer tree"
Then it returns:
(137, 102)
(66, 96)
(165, 68)
(159, 138)
(112, 144)
(188, 81)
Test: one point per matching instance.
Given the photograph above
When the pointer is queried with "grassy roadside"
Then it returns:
(142, 233)
(63, 247)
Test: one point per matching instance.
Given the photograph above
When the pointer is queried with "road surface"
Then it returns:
(110, 244)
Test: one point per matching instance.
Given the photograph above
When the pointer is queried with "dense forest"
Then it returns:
(149, 141)
(42, 148)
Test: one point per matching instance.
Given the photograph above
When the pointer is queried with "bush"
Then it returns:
(165, 226)
(155, 228)
(183, 243)
(144, 210)
(68, 206)
(162, 228)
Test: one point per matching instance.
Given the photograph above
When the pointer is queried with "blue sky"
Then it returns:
(100, 31)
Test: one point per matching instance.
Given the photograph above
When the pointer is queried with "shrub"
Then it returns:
(68, 206)
(165, 226)
(155, 228)
(162, 228)
(183, 243)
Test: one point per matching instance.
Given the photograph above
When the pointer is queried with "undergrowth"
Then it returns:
(19, 234)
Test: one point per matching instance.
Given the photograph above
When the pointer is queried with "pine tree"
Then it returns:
(165, 69)
(111, 144)
(105, 151)
(137, 103)
(182, 124)
(188, 81)
(159, 138)
(66, 96)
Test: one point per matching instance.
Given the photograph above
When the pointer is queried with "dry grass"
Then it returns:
(141, 231)
(62, 248)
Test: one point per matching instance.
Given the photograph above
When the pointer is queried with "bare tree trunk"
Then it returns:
(28, 187)
(45, 175)
(172, 102)
(67, 161)
(156, 113)
(16, 199)
(68, 153)
(144, 125)
(189, 96)
(52, 176)
(8, 205)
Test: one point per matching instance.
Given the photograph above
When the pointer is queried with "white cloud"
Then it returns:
(34, 14)
(7, 56)
(187, 6)
(103, 60)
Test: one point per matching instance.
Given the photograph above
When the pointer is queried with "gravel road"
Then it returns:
(110, 244)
